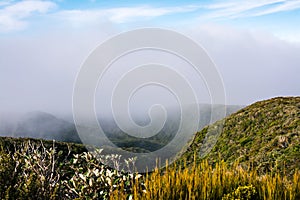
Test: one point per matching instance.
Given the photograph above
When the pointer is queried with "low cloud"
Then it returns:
(38, 73)
(254, 64)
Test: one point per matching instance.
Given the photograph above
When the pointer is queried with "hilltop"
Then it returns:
(265, 135)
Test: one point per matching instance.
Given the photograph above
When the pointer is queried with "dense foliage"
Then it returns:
(33, 171)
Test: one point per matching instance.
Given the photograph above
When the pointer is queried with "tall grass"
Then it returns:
(202, 181)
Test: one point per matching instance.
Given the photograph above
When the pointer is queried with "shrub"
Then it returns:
(242, 193)
(33, 171)
(93, 180)
(29, 172)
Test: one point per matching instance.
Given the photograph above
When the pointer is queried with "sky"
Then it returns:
(254, 44)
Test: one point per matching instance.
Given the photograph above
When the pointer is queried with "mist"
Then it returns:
(38, 71)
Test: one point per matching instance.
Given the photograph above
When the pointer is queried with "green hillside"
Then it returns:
(265, 134)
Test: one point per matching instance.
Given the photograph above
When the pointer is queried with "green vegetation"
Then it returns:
(257, 156)
(32, 171)
(265, 135)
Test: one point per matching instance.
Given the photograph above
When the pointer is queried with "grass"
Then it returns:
(203, 181)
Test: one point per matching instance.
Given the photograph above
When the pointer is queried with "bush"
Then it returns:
(32, 171)
(242, 193)
(29, 172)
(93, 180)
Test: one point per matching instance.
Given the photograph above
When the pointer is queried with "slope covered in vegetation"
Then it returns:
(42, 170)
(265, 135)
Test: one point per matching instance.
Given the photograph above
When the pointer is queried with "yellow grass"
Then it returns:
(202, 181)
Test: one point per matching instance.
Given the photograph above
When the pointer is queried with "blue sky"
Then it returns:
(255, 44)
(280, 17)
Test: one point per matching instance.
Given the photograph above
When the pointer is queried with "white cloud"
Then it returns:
(124, 14)
(13, 15)
(237, 9)
(290, 5)
(5, 2)
(120, 14)
(16, 15)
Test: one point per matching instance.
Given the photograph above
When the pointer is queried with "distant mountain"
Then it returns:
(265, 135)
(41, 125)
(47, 126)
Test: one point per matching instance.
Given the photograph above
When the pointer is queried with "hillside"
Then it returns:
(265, 134)
(39, 125)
